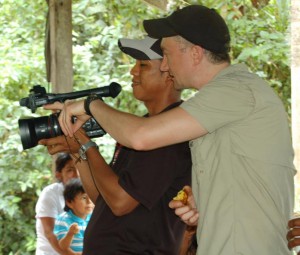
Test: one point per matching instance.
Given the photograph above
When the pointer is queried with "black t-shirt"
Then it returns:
(153, 178)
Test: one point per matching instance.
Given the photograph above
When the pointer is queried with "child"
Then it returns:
(70, 225)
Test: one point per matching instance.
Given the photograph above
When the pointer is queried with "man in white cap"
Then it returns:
(241, 146)
(132, 194)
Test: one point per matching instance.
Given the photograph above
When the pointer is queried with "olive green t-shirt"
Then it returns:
(243, 168)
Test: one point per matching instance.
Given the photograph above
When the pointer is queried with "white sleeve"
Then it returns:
(48, 204)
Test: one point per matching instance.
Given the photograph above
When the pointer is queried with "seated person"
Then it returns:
(70, 225)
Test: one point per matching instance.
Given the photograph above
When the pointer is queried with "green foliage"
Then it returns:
(23, 174)
(21, 46)
(259, 38)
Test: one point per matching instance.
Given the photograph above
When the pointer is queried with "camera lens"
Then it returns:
(34, 129)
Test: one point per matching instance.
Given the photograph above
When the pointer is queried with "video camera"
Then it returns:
(34, 129)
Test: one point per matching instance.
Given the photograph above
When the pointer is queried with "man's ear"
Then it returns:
(197, 54)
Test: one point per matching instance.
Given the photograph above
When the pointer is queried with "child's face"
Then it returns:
(81, 205)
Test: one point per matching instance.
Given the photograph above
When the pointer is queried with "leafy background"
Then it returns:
(260, 37)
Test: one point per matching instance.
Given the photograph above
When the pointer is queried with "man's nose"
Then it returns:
(135, 69)
(164, 67)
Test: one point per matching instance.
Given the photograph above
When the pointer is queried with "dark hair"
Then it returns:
(72, 189)
(61, 161)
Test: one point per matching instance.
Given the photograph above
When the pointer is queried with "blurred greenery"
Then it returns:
(259, 30)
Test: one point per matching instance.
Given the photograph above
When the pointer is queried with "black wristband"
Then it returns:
(87, 103)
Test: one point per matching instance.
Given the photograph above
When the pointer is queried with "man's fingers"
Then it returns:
(65, 128)
(191, 200)
(52, 141)
(54, 106)
(77, 125)
(294, 222)
(293, 243)
(62, 116)
(72, 115)
(65, 121)
(173, 204)
(295, 232)
(55, 145)
(57, 148)
(188, 190)
(194, 219)
(189, 215)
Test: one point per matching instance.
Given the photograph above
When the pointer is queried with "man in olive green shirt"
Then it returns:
(240, 141)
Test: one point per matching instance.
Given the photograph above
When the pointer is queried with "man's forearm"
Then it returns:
(107, 183)
(87, 179)
(171, 127)
(120, 125)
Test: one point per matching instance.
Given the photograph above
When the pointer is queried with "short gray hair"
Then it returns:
(214, 58)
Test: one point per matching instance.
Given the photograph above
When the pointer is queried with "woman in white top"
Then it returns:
(50, 204)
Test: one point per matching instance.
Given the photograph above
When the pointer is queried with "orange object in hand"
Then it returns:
(181, 196)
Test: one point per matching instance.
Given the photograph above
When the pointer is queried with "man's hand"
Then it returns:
(68, 110)
(188, 213)
(65, 143)
(293, 235)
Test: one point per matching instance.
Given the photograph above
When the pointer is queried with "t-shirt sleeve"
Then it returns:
(220, 103)
(47, 205)
(61, 228)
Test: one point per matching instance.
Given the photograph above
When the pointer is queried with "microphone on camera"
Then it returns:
(38, 96)
(106, 91)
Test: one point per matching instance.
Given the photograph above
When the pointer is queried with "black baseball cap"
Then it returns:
(196, 23)
(141, 49)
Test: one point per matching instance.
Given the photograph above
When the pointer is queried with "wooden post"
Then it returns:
(60, 57)
(58, 49)
(161, 4)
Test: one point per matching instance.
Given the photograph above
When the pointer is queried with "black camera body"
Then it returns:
(34, 129)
